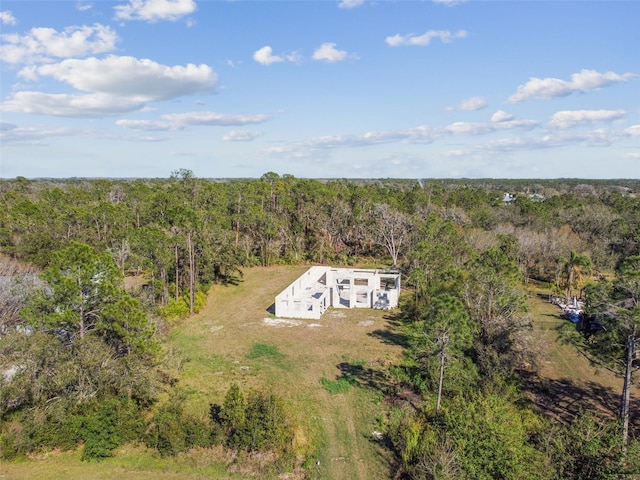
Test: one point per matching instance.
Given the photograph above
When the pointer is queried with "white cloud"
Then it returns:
(328, 52)
(143, 80)
(473, 103)
(115, 84)
(33, 136)
(7, 18)
(148, 125)
(83, 7)
(94, 105)
(423, 40)
(265, 56)
(632, 131)
(507, 123)
(346, 4)
(584, 81)
(213, 118)
(241, 136)
(501, 116)
(449, 3)
(155, 10)
(44, 44)
(571, 118)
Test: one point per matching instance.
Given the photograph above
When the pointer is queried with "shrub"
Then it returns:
(257, 423)
(115, 422)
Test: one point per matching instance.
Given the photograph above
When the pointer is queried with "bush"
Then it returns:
(179, 309)
(171, 431)
(258, 423)
(115, 422)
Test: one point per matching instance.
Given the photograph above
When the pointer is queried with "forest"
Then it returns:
(96, 273)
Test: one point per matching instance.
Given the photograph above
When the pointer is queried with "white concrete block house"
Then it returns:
(322, 287)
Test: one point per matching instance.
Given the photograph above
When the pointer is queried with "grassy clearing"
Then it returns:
(132, 463)
(568, 383)
(291, 359)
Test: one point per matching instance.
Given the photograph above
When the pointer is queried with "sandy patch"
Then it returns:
(366, 323)
(281, 322)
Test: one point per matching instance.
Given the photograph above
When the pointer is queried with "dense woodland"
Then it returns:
(83, 358)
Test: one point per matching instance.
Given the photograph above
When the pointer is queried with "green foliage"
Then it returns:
(178, 310)
(341, 385)
(115, 422)
(172, 431)
(484, 437)
(590, 447)
(257, 423)
(84, 295)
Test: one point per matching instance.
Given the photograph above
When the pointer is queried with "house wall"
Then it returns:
(320, 287)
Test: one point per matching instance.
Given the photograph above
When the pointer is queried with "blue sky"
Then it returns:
(320, 89)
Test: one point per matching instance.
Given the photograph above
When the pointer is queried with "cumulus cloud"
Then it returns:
(142, 79)
(115, 85)
(83, 7)
(33, 136)
(241, 136)
(346, 4)
(94, 105)
(501, 116)
(148, 125)
(154, 10)
(7, 18)
(583, 81)
(473, 103)
(44, 44)
(265, 56)
(632, 131)
(424, 40)
(572, 118)
(327, 52)
(504, 122)
(214, 119)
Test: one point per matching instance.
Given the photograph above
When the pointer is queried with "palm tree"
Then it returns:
(573, 270)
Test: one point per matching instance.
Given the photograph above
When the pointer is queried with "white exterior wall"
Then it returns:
(320, 287)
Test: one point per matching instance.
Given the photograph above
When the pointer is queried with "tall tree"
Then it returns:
(573, 271)
(390, 230)
(615, 305)
(83, 295)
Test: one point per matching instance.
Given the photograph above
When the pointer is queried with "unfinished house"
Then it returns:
(322, 287)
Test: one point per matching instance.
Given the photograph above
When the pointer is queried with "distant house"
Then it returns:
(508, 198)
(322, 287)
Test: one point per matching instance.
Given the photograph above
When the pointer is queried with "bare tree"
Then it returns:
(390, 229)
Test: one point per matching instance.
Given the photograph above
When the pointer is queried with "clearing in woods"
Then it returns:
(567, 383)
(330, 371)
